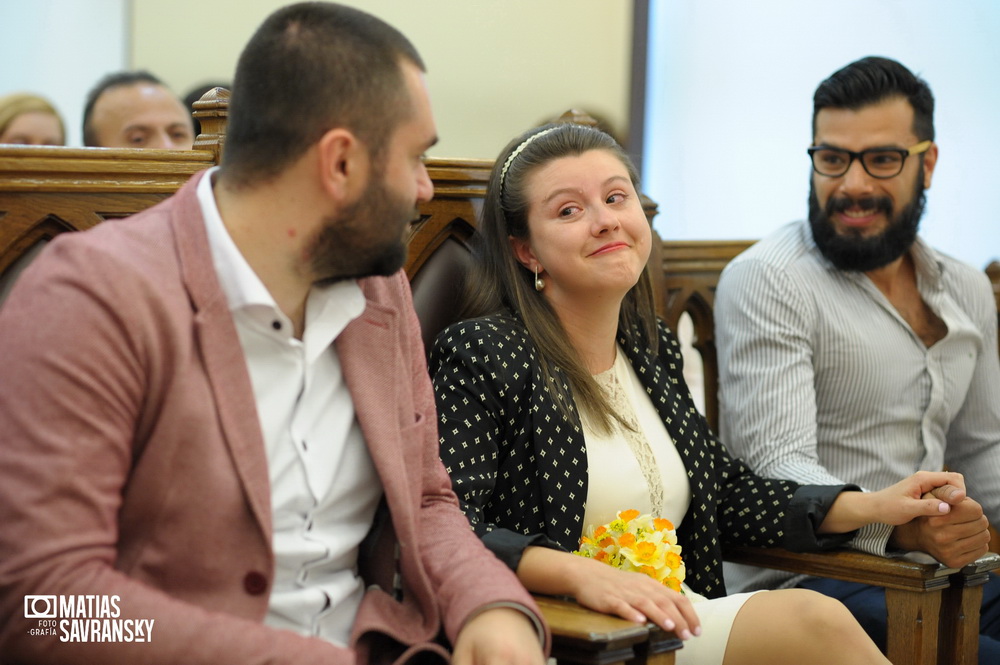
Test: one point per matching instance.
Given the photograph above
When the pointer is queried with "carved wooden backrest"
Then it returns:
(691, 270)
(45, 191)
(439, 242)
(690, 274)
(993, 272)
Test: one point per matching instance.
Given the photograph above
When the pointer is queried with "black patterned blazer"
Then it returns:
(519, 466)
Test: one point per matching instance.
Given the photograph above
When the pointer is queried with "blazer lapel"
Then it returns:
(369, 350)
(222, 354)
(560, 451)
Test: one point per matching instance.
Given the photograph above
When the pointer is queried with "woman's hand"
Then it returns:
(638, 598)
(602, 588)
(924, 494)
(897, 504)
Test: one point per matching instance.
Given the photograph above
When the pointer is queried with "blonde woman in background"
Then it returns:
(28, 119)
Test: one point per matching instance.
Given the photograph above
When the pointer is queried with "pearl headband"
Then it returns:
(517, 151)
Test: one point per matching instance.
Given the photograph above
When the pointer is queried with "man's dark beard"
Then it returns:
(850, 250)
(365, 239)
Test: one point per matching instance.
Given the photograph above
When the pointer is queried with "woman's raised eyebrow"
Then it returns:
(563, 190)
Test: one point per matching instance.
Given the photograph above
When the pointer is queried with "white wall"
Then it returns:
(729, 106)
(59, 49)
(495, 68)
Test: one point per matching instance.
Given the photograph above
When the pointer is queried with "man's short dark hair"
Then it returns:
(309, 68)
(112, 80)
(874, 79)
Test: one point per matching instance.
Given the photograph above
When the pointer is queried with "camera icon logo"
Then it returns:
(40, 607)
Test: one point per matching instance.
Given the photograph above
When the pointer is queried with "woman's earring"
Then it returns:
(539, 282)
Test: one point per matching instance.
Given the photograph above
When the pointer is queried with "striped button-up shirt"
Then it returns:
(822, 381)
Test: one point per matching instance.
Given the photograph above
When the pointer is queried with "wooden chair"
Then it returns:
(46, 191)
(933, 610)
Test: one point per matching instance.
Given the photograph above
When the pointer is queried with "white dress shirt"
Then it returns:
(324, 487)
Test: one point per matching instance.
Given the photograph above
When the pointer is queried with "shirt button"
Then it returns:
(255, 583)
(276, 324)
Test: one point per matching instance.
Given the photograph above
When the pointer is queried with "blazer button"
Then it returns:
(255, 583)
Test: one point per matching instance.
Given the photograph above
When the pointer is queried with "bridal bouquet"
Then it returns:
(639, 543)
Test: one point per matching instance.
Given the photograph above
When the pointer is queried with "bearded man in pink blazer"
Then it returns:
(217, 429)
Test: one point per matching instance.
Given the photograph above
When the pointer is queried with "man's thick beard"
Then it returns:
(359, 242)
(853, 252)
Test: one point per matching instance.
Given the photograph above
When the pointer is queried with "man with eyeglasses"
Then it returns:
(851, 351)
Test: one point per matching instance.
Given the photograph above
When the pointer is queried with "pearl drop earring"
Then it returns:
(539, 282)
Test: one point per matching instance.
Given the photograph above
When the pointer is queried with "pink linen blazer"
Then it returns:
(132, 462)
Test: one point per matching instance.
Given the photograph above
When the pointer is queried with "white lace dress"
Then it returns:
(641, 469)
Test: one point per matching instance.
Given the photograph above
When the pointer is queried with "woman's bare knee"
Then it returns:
(798, 626)
(811, 609)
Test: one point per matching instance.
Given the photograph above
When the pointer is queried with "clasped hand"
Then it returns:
(930, 511)
(949, 526)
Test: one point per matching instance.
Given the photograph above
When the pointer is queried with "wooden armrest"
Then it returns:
(849, 566)
(584, 637)
(966, 598)
(660, 648)
(982, 566)
(959, 633)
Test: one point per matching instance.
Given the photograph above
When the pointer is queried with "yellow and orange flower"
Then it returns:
(639, 543)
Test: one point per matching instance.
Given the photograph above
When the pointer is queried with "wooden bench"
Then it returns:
(46, 191)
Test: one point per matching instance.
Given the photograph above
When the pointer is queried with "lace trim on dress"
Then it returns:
(611, 383)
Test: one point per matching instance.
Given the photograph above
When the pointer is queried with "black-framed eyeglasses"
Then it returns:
(878, 162)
